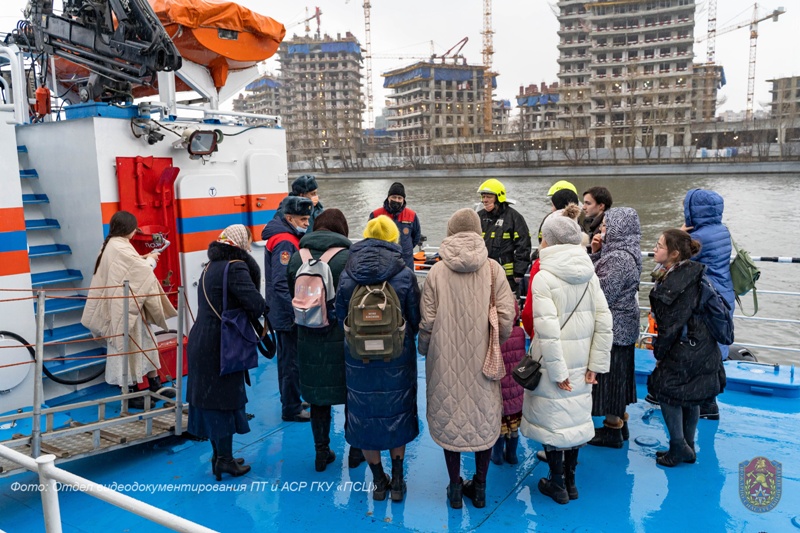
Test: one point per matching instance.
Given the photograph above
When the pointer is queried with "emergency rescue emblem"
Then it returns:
(499, 222)
(760, 484)
(405, 231)
(285, 256)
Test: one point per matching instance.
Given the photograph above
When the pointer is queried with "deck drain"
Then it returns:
(647, 442)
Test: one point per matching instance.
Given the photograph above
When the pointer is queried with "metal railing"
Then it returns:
(50, 475)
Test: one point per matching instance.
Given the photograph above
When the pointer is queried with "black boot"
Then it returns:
(238, 460)
(398, 483)
(225, 463)
(570, 464)
(511, 448)
(381, 482)
(320, 428)
(138, 402)
(690, 460)
(608, 436)
(355, 457)
(155, 385)
(497, 450)
(709, 409)
(475, 491)
(454, 494)
(679, 452)
(553, 484)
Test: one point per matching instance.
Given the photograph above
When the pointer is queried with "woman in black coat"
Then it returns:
(688, 368)
(217, 403)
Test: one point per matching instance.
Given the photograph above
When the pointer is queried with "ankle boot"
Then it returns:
(570, 464)
(475, 491)
(398, 483)
(608, 436)
(553, 484)
(155, 385)
(511, 448)
(380, 481)
(355, 457)
(625, 433)
(238, 460)
(136, 403)
(691, 460)
(497, 450)
(678, 452)
(454, 494)
(228, 465)
(320, 428)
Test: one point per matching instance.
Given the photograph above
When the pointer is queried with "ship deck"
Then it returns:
(620, 490)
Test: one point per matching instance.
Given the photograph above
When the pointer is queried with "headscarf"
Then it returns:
(236, 235)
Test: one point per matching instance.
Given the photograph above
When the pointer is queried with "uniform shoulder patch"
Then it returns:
(285, 256)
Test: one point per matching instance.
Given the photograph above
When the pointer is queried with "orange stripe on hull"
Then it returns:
(12, 263)
(227, 205)
(12, 219)
(196, 242)
(108, 209)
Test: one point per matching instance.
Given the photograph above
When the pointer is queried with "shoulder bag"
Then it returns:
(529, 372)
(238, 340)
(493, 367)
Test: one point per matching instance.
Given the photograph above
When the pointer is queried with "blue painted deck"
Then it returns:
(620, 490)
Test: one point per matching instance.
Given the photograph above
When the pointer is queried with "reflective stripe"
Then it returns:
(516, 235)
(506, 235)
(491, 235)
(509, 268)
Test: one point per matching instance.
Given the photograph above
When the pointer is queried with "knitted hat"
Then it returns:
(236, 235)
(397, 189)
(296, 205)
(332, 220)
(382, 228)
(563, 198)
(464, 221)
(561, 229)
(304, 184)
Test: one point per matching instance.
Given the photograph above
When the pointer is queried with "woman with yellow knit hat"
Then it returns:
(381, 411)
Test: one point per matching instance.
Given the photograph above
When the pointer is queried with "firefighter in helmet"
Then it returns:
(505, 232)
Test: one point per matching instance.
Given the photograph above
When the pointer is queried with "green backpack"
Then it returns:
(374, 327)
(744, 274)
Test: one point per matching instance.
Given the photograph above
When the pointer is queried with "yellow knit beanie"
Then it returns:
(382, 228)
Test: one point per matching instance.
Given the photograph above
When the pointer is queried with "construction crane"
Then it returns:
(488, 75)
(753, 24)
(307, 20)
(368, 60)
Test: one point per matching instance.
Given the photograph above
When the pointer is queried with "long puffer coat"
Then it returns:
(464, 407)
(550, 415)
(381, 396)
(320, 351)
(618, 265)
(702, 211)
(689, 369)
(205, 388)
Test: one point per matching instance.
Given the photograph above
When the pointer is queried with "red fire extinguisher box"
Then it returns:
(167, 353)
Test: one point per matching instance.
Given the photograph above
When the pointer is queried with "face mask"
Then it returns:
(395, 206)
(301, 230)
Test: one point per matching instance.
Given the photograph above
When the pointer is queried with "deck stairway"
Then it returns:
(50, 262)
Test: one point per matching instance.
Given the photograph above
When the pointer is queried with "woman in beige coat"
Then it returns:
(103, 315)
(464, 407)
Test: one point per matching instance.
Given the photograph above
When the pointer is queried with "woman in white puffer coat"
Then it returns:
(573, 337)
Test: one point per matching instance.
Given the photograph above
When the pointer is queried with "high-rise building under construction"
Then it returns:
(625, 72)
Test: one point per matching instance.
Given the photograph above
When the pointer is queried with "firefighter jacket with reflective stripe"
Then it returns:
(507, 239)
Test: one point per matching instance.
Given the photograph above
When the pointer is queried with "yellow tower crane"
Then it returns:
(488, 75)
(753, 25)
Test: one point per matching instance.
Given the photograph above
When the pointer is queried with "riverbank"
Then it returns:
(711, 170)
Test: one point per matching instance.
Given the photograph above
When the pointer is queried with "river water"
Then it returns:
(760, 211)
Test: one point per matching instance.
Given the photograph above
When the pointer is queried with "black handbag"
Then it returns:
(529, 372)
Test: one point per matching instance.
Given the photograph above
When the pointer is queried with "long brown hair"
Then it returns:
(677, 240)
(122, 224)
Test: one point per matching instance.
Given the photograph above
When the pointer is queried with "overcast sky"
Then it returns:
(525, 37)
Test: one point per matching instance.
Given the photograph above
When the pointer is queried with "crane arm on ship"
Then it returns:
(121, 42)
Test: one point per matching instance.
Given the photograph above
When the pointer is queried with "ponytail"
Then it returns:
(677, 240)
(122, 224)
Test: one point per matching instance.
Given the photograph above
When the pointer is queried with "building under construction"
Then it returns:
(321, 98)
(262, 98)
(434, 101)
(625, 71)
